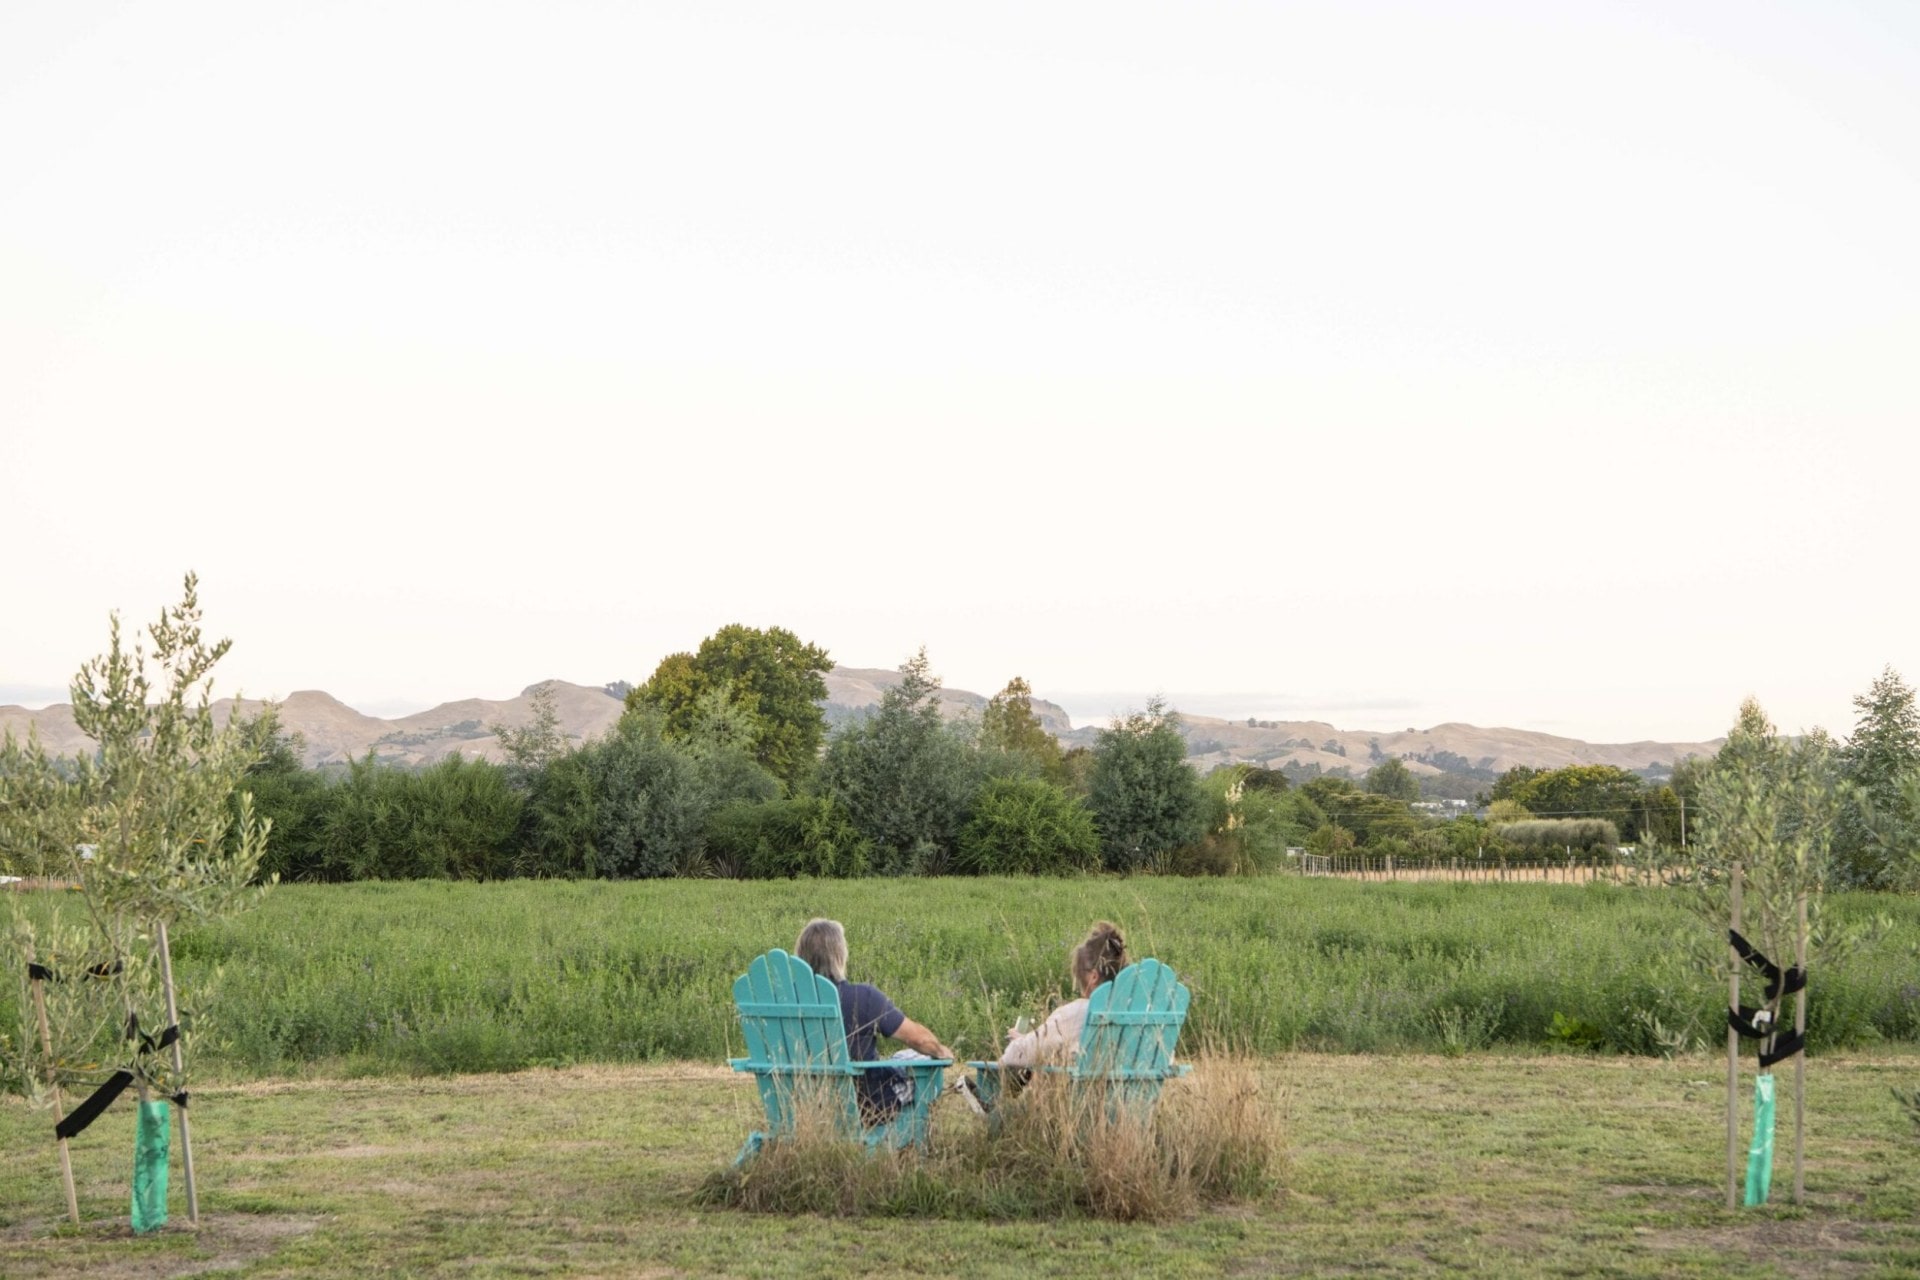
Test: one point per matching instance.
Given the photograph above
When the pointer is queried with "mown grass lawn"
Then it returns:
(1546, 1165)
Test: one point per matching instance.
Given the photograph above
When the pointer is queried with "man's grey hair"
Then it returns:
(823, 945)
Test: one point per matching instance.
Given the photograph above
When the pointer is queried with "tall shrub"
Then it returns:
(904, 775)
(1146, 802)
(1026, 826)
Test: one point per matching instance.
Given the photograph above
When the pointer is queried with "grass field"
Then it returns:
(417, 977)
(1402, 1165)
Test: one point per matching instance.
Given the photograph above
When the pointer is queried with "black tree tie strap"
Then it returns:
(1785, 1046)
(98, 1101)
(1778, 983)
(1750, 1023)
(41, 973)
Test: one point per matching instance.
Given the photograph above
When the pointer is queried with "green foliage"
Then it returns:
(772, 675)
(1581, 791)
(1027, 826)
(1552, 835)
(290, 798)
(649, 805)
(154, 828)
(904, 775)
(455, 820)
(1013, 740)
(800, 836)
(530, 747)
(1768, 806)
(1330, 838)
(635, 804)
(1877, 838)
(439, 976)
(1251, 822)
(1394, 780)
(1146, 802)
(1575, 1033)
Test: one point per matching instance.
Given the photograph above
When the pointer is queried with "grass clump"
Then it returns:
(1058, 1150)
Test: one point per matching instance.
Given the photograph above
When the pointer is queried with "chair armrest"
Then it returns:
(908, 1064)
(792, 1069)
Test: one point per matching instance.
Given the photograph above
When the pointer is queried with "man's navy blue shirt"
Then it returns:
(863, 1011)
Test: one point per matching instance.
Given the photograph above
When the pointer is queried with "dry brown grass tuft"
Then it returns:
(1055, 1150)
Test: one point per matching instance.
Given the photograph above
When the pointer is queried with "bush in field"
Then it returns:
(1146, 802)
(636, 805)
(904, 775)
(293, 798)
(649, 809)
(1547, 835)
(455, 820)
(1369, 817)
(1024, 826)
(801, 836)
(1252, 819)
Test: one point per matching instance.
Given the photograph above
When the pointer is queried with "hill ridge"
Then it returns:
(336, 732)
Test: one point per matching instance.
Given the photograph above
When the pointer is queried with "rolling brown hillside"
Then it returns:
(335, 732)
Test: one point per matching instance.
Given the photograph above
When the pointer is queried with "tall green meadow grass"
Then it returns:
(433, 976)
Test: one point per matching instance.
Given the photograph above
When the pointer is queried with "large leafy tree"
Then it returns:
(1146, 801)
(771, 674)
(1394, 780)
(1585, 791)
(1879, 826)
(905, 776)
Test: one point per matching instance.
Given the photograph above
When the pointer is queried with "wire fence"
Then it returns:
(1548, 868)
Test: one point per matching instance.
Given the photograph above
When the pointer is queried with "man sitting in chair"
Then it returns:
(865, 1011)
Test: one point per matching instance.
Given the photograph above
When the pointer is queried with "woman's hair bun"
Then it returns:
(1104, 953)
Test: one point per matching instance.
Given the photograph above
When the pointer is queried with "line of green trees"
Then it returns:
(722, 765)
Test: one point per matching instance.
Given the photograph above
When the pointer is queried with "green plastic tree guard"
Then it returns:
(1760, 1154)
(150, 1168)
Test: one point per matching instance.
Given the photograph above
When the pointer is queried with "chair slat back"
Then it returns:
(790, 1019)
(1132, 1025)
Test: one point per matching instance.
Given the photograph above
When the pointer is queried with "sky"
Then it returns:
(1540, 365)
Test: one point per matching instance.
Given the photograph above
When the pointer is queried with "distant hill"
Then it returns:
(1457, 754)
(851, 691)
(336, 733)
(1444, 749)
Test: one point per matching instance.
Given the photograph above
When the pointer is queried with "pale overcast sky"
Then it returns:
(1543, 365)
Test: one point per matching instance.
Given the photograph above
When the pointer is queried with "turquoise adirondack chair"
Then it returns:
(1127, 1044)
(796, 1043)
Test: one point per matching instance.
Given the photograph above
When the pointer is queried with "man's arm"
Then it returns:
(915, 1036)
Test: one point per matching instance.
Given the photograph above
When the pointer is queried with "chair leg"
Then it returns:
(750, 1148)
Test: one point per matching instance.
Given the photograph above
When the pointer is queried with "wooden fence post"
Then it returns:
(179, 1069)
(1800, 1058)
(1733, 1054)
(59, 1106)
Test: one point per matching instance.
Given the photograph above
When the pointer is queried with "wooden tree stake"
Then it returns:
(179, 1070)
(1733, 1056)
(59, 1107)
(1800, 1059)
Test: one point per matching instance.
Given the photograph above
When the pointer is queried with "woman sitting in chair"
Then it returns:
(1099, 959)
(864, 1011)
